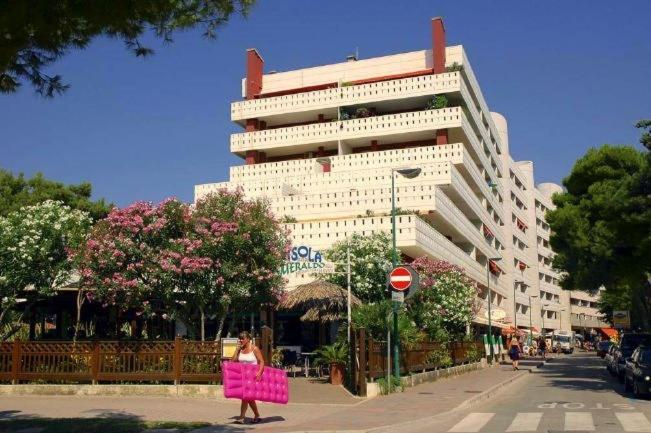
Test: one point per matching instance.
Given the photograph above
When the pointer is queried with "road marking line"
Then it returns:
(635, 422)
(473, 422)
(578, 421)
(525, 421)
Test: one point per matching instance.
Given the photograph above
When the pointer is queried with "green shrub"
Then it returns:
(454, 67)
(392, 385)
(437, 102)
(440, 357)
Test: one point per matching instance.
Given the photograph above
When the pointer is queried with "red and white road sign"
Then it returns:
(400, 278)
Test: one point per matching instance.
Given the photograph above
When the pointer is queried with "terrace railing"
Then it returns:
(370, 358)
(117, 361)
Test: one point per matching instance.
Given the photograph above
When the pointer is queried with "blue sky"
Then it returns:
(567, 76)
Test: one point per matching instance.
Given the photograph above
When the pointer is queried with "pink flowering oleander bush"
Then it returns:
(200, 262)
(445, 302)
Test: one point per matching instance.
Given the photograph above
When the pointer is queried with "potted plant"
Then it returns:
(335, 355)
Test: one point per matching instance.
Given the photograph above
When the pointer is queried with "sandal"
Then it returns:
(256, 420)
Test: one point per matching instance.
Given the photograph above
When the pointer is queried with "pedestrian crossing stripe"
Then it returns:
(634, 422)
(573, 421)
(527, 421)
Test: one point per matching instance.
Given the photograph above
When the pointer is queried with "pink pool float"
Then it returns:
(239, 382)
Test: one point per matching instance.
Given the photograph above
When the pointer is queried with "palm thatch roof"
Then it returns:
(320, 300)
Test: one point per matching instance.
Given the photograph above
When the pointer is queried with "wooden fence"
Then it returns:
(115, 361)
(369, 358)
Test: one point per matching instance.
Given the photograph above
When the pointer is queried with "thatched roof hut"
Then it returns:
(320, 300)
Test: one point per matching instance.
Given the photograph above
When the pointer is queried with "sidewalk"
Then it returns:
(342, 412)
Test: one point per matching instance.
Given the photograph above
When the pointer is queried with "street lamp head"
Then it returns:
(409, 173)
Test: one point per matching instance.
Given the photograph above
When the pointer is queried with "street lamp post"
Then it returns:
(530, 321)
(409, 173)
(515, 312)
(490, 318)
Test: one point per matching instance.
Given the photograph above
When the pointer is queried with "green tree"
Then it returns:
(16, 192)
(370, 260)
(601, 227)
(36, 34)
(35, 242)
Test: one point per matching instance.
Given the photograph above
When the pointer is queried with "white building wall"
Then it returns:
(467, 188)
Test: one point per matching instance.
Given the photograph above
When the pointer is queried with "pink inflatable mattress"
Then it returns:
(239, 382)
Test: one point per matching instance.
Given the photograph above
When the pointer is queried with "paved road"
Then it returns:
(573, 393)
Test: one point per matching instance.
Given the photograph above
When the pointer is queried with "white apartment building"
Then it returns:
(321, 142)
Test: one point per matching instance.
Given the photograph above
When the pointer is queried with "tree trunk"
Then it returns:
(203, 323)
(640, 307)
(220, 328)
(80, 303)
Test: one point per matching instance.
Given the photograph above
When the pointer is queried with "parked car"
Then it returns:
(602, 348)
(637, 373)
(627, 345)
(611, 362)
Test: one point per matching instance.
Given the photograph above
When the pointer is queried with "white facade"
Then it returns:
(471, 202)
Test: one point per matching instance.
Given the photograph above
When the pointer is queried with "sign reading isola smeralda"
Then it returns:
(304, 258)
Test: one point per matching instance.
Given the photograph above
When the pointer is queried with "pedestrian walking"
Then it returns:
(514, 351)
(248, 353)
(542, 347)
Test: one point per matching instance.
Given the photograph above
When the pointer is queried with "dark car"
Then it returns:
(637, 373)
(627, 345)
(602, 348)
(611, 362)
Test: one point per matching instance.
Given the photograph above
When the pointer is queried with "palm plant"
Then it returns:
(332, 354)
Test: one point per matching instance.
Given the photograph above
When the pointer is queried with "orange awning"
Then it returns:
(610, 332)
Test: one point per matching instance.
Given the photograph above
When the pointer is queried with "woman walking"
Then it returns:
(542, 347)
(514, 351)
(248, 353)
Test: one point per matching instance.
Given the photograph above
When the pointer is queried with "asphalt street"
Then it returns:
(572, 393)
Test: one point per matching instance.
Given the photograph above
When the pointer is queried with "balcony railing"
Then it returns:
(328, 132)
(333, 98)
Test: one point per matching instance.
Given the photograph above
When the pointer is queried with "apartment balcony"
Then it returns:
(481, 130)
(518, 193)
(549, 288)
(308, 105)
(402, 127)
(521, 214)
(540, 214)
(542, 233)
(544, 251)
(580, 321)
(520, 235)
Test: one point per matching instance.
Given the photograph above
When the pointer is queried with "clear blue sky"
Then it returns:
(568, 75)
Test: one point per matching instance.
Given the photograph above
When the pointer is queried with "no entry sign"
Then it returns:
(400, 278)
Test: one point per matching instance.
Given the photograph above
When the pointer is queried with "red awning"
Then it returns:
(493, 267)
(521, 225)
(522, 266)
(609, 332)
(488, 232)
